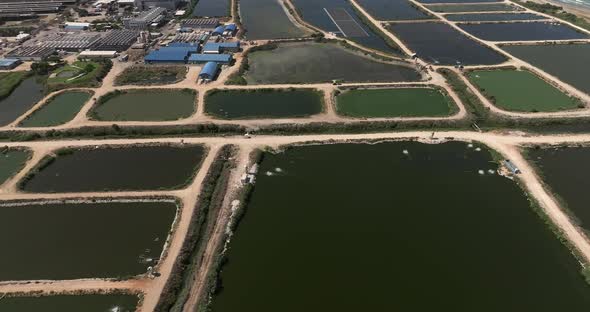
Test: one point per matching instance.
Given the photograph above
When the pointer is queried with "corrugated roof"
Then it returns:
(224, 58)
(231, 27)
(209, 70)
(8, 62)
(219, 30)
(170, 54)
(215, 46)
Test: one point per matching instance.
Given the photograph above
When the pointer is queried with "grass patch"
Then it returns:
(472, 103)
(520, 90)
(151, 75)
(145, 105)
(80, 74)
(9, 81)
(396, 102)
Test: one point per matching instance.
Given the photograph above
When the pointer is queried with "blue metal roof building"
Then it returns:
(218, 31)
(209, 71)
(171, 54)
(221, 47)
(232, 28)
(9, 63)
(184, 45)
(204, 58)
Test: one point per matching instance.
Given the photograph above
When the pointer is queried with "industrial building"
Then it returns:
(200, 23)
(15, 9)
(70, 41)
(149, 4)
(204, 58)
(218, 31)
(87, 55)
(73, 26)
(221, 47)
(7, 64)
(117, 40)
(145, 19)
(230, 30)
(209, 71)
(168, 55)
(30, 53)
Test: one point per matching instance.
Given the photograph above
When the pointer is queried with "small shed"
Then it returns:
(209, 71)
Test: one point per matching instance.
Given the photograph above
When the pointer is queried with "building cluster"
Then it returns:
(150, 18)
(31, 8)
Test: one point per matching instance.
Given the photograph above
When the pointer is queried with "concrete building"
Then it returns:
(149, 4)
(145, 19)
(7, 64)
(86, 55)
(209, 71)
(204, 58)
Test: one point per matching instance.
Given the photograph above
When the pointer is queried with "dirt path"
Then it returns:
(219, 231)
(73, 286)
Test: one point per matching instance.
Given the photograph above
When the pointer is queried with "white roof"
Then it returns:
(77, 24)
(180, 12)
(126, 1)
(98, 53)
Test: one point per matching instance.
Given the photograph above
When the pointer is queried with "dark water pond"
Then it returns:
(456, 1)
(522, 31)
(568, 62)
(441, 44)
(390, 10)
(119, 168)
(267, 19)
(212, 8)
(25, 96)
(483, 7)
(368, 228)
(234, 104)
(61, 303)
(58, 110)
(307, 62)
(566, 172)
(340, 17)
(11, 162)
(68, 241)
(493, 17)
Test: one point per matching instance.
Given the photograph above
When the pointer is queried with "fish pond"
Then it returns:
(145, 105)
(73, 303)
(484, 7)
(58, 110)
(212, 8)
(523, 31)
(115, 168)
(268, 19)
(390, 10)
(568, 62)
(397, 226)
(440, 43)
(340, 17)
(397, 102)
(565, 170)
(30, 91)
(82, 240)
(11, 162)
(520, 90)
(263, 103)
(310, 62)
(493, 17)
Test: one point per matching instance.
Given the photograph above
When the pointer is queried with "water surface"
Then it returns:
(390, 10)
(58, 110)
(367, 228)
(64, 303)
(529, 31)
(267, 19)
(493, 17)
(212, 8)
(26, 95)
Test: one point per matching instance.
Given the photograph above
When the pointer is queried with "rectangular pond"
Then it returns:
(263, 103)
(568, 62)
(440, 43)
(58, 110)
(456, 1)
(341, 18)
(394, 227)
(523, 31)
(390, 10)
(565, 170)
(493, 17)
(30, 91)
(116, 168)
(212, 8)
(12, 161)
(521, 90)
(483, 7)
(82, 240)
(396, 102)
(268, 19)
(145, 105)
(70, 303)
(309, 62)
